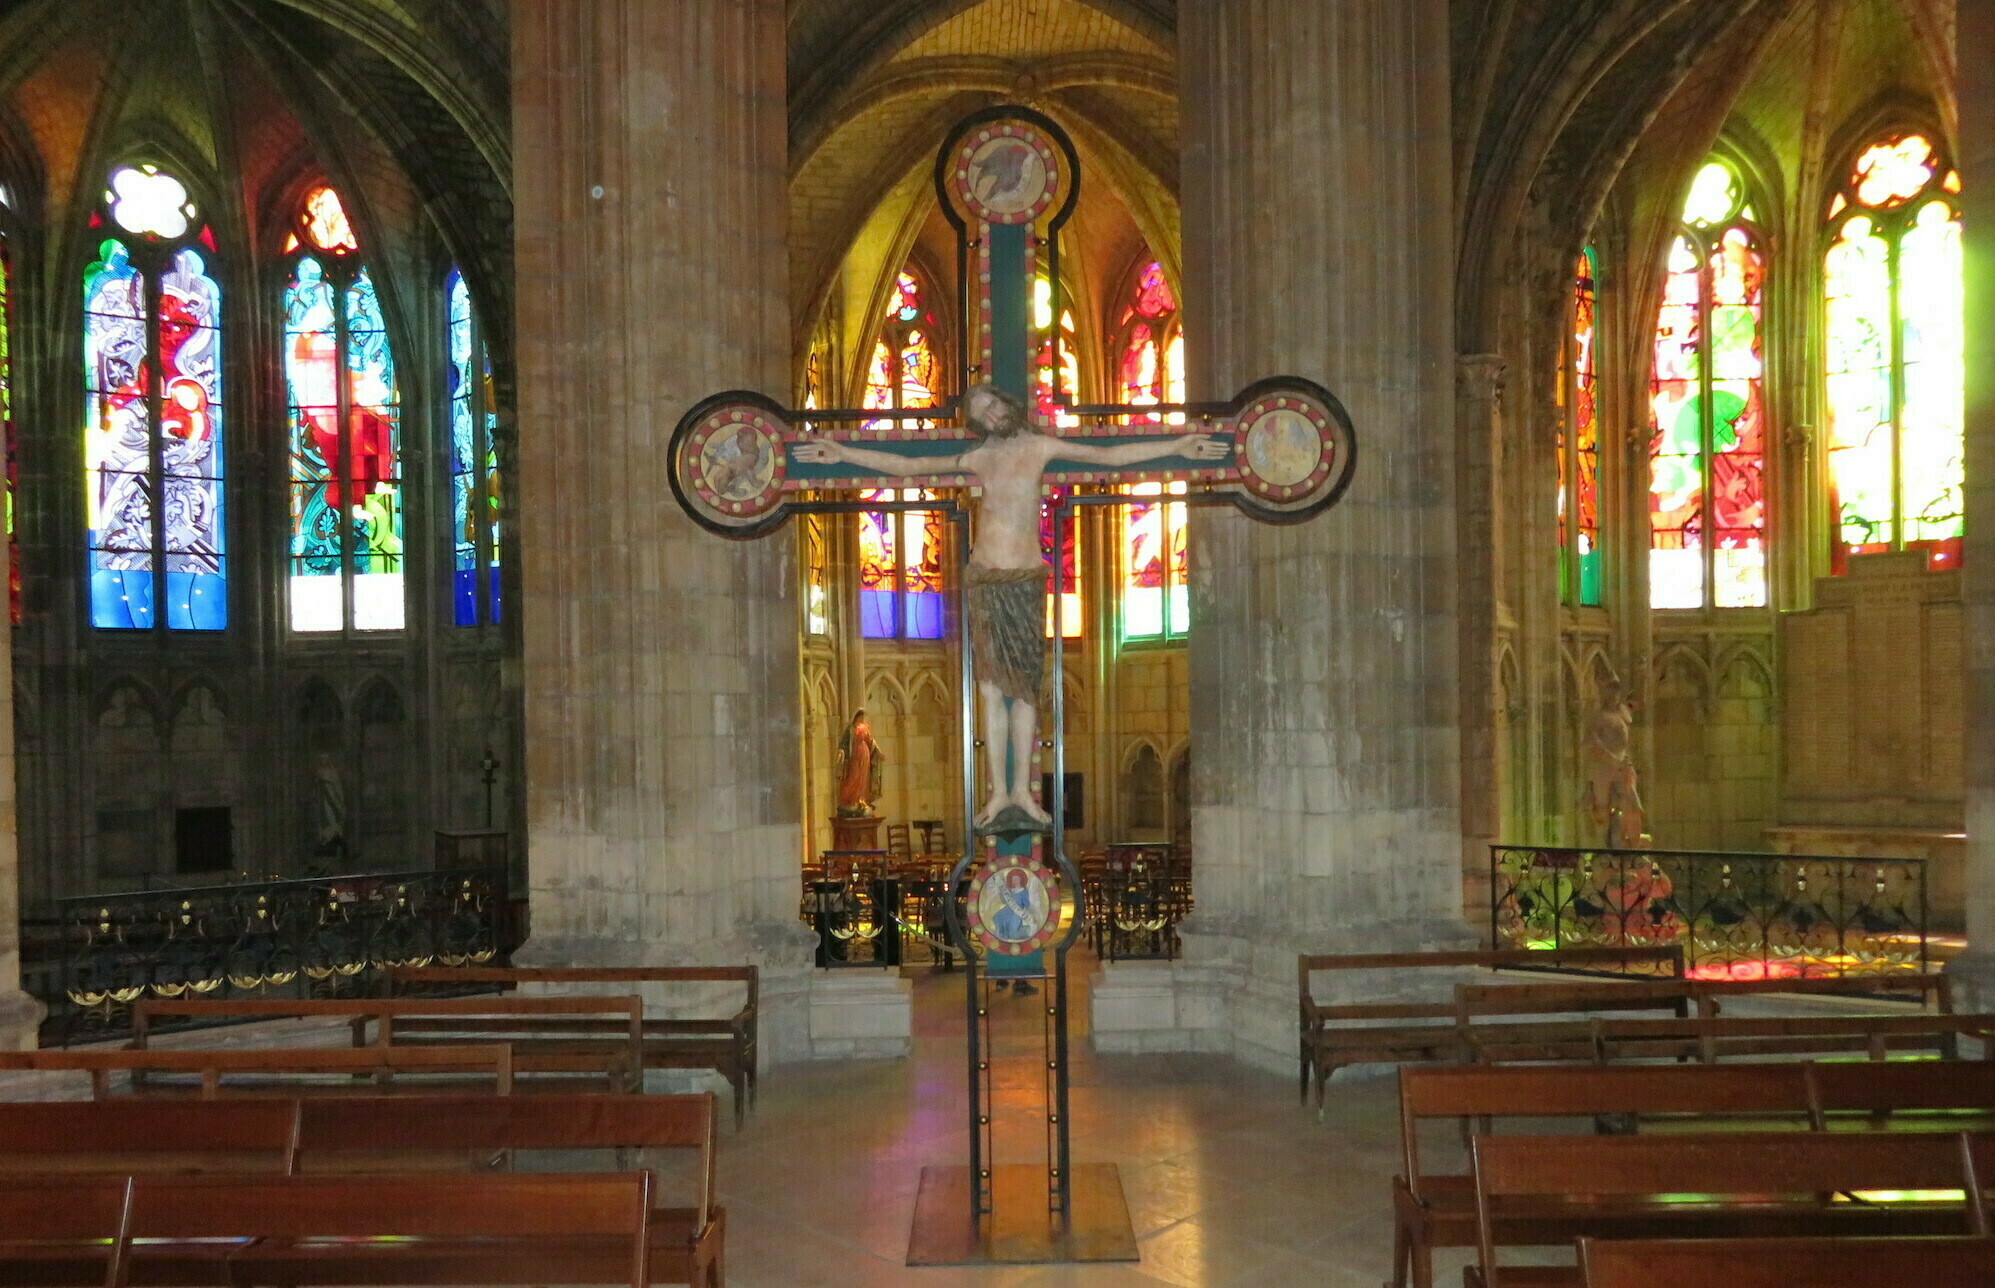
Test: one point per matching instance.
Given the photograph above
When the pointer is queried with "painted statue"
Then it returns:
(860, 768)
(1008, 576)
(1613, 794)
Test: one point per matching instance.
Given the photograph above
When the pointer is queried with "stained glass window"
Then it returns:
(1579, 446)
(1707, 406)
(1156, 600)
(900, 555)
(1061, 347)
(1893, 323)
(152, 331)
(346, 486)
(474, 464)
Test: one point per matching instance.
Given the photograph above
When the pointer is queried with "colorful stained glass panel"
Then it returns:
(117, 441)
(1676, 448)
(1931, 434)
(191, 473)
(311, 369)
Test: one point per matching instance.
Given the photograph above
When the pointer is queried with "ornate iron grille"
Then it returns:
(1738, 916)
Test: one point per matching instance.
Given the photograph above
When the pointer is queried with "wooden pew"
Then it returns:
(1334, 1036)
(1710, 1038)
(1747, 1185)
(132, 1136)
(688, 1244)
(1579, 1039)
(1437, 1210)
(727, 1045)
(267, 1067)
(1937, 1262)
(64, 1230)
(534, 1027)
(470, 1229)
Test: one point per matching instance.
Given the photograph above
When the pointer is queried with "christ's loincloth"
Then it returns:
(1008, 629)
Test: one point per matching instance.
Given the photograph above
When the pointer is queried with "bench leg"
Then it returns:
(1423, 1265)
(740, 1084)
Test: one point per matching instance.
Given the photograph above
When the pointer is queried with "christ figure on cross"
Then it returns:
(1007, 577)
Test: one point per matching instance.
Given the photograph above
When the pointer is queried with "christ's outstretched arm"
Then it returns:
(830, 451)
(1199, 447)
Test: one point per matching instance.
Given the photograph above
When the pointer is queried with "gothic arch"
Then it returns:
(190, 692)
(141, 694)
(892, 692)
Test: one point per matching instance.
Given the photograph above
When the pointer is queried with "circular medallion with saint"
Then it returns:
(729, 463)
(1014, 905)
(1007, 172)
(1293, 449)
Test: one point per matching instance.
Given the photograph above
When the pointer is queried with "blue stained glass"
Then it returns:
(463, 535)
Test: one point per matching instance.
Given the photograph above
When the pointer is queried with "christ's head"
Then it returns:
(993, 413)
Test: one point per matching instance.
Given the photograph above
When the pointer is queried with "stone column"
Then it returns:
(1975, 30)
(660, 661)
(1318, 242)
(20, 1014)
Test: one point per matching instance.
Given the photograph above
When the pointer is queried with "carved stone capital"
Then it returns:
(1479, 376)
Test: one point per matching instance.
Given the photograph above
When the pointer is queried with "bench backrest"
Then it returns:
(457, 1123)
(65, 1208)
(1668, 955)
(1935, 989)
(213, 1063)
(1473, 1000)
(1756, 1164)
(1872, 1086)
(1784, 1263)
(167, 1136)
(1480, 1091)
(146, 1009)
(514, 975)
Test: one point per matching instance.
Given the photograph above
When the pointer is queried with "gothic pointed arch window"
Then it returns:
(346, 558)
(1150, 370)
(152, 435)
(900, 553)
(1579, 443)
(1707, 450)
(474, 463)
(1893, 315)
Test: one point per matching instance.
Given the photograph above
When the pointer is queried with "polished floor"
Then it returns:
(1229, 1181)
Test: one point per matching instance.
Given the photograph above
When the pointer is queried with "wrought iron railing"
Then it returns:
(89, 958)
(1739, 916)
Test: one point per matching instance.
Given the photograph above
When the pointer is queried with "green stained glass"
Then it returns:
(1857, 273)
(1894, 360)
(1931, 310)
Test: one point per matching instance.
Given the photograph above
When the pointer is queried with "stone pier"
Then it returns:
(1326, 808)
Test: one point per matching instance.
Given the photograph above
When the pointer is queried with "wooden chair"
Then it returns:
(131, 1136)
(471, 1229)
(726, 1044)
(1437, 1209)
(64, 1230)
(1938, 1262)
(1745, 1185)
(688, 1244)
(900, 842)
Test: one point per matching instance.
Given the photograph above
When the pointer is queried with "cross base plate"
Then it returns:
(1019, 1231)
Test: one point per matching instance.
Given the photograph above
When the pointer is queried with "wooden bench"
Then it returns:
(1437, 1210)
(265, 1067)
(1384, 1033)
(536, 1028)
(1938, 1262)
(64, 1230)
(688, 1244)
(726, 1045)
(1710, 1038)
(1918, 1094)
(131, 1136)
(470, 1229)
(1710, 1185)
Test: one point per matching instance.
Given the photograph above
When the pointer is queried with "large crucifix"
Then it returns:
(1282, 451)
(1008, 179)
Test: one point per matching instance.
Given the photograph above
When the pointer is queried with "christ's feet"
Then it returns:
(1024, 801)
(992, 808)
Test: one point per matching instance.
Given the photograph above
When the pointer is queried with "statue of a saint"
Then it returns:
(332, 811)
(1008, 575)
(860, 767)
(1613, 797)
